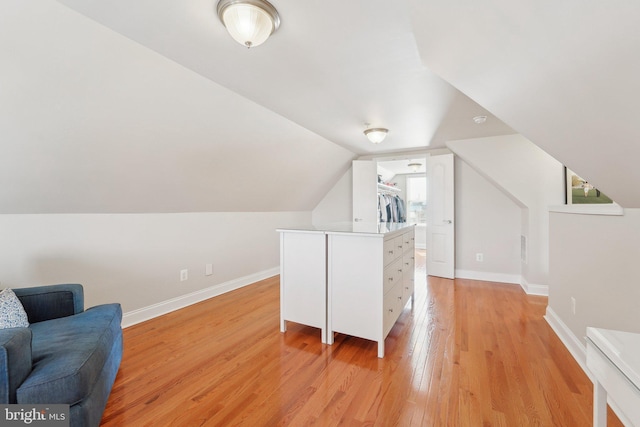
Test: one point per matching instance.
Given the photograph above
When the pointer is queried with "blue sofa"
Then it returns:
(67, 355)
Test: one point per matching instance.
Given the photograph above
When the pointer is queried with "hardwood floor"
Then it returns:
(469, 354)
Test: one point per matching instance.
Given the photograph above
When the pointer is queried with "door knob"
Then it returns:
(447, 221)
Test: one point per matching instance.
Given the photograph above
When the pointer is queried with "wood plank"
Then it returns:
(469, 353)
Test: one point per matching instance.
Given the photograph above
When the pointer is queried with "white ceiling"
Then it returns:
(149, 106)
(331, 67)
(565, 74)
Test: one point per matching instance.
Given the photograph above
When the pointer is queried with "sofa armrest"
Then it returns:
(51, 301)
(15, 361)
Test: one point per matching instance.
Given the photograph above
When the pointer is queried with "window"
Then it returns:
(417, 199)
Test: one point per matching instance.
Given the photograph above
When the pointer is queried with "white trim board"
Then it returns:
(533, 289)
(487, 276)
(146, 313)
(568, 338)
(529, 288)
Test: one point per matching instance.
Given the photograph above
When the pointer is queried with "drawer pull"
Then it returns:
(391, 279)
(400, 298)
(399, 270)
(391, 310)
(391, 252)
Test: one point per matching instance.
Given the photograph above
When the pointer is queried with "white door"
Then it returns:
(365, 191)
(440, 215)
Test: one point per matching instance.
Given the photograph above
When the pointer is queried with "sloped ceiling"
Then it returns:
(563, 74)
(149, 105)
(91, 122)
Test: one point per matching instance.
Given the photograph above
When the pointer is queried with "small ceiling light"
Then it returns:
(480, 119)
(249, 22)
(376, 135)
(415, 166)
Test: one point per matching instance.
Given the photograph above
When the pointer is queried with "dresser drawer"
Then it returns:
(392, 307)
(392, 275)
(398, 244)
(408, 242)
(389, 251)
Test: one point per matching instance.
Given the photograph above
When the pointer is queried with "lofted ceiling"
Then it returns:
(149, 105)
(562, 74)
(331, 67)
(110, 106)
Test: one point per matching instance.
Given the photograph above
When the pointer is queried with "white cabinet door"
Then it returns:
(440, 216)
(303, 281)
(365, 191)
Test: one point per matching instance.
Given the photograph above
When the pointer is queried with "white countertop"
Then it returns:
(349, 228)
(621, 348)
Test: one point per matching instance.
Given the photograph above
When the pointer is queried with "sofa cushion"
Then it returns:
(68, 355)
(12, 314)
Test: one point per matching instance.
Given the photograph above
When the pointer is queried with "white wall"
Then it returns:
(529, 177)
(93, 122)
(135, 259)
(594, 259)
(337, 204)
(487, 222)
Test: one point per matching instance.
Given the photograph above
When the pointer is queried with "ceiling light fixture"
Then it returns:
(415, 166)
(480, 119)
(249, 22)
(376, 135)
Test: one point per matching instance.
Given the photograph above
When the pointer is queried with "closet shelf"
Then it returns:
(389, 188)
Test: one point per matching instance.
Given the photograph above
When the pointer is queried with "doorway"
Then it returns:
(409, 175)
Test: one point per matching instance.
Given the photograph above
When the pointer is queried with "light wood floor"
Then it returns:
(469, 354)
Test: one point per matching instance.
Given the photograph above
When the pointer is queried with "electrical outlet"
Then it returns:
(208, 270)
(184, 275)
(479, 257)
(573, 305)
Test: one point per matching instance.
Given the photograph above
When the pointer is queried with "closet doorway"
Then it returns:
(410, 177)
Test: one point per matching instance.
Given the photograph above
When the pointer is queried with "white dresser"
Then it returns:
(613, 357)
(303, 279)
(353, 279)
(370, 280)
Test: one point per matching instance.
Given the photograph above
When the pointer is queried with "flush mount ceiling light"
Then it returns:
(249, 22)
(376, 135)
(480, 119)
(415, 166)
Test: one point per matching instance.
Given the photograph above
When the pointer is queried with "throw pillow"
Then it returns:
(12, 314)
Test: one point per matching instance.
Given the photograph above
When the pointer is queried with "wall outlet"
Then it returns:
(184, 275)
(479, 257)
(208, 269)
(573, 305)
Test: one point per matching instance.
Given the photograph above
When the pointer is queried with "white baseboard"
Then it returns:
(575, 346)
(421, 246)
(146, 313)
(529, 288)
(533, 289)
(487, 277)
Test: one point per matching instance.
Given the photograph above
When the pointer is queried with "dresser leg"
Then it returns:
(599, 405)
(329, 337)
(381, 349)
